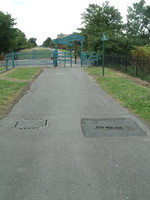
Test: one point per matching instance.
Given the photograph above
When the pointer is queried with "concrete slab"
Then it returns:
(58, 162)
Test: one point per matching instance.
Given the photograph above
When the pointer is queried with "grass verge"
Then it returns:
(13, 84)
(22, 73)
(131, 95)
(2, 68)
(9, 91)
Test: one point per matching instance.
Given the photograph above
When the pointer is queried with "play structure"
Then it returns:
(75, 46)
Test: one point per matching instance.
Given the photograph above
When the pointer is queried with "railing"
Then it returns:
(135, 66)
(28, 58)
(89, 59)
(65, 57)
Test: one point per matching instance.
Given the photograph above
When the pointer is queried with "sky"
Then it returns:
(48, 18)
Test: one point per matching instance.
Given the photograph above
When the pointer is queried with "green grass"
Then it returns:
(131, 95)
(8, 91)
(2, 68)
(98, 71)
(22, 73)
(11, 89)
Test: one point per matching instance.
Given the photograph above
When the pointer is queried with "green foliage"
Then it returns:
(122, 37)
(20, 42)
(138, 20)
(143, 51)
(48, 43)
(11, 39)
(97, 20)
(6, 32)
(129, 94)
(32, 41)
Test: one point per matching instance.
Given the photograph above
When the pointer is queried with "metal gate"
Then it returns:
(34, 58)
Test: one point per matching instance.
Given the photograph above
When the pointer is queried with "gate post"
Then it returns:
(55, 55)
(6, 62)
(13, 63)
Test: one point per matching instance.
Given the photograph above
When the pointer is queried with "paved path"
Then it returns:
(58, 162)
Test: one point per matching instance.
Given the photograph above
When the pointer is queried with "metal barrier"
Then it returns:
(62, 57)
(36, 58)
(135, 66)
(89, 59)
(42, 58)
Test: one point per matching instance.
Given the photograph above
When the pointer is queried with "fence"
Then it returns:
(89, 59)
(135, 66)
(29, 58)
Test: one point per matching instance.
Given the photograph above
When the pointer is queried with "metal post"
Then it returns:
(71, 57)
(103, 58)
(75, 52)
(55, 56)
(13, 63)
(81, 53)
(64, 59)
(6, 62)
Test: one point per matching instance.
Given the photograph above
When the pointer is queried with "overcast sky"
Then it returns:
(47, 18)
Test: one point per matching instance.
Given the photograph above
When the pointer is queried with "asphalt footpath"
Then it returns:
(67, 139)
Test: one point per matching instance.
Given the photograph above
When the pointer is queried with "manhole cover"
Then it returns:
(110, 127)
(35, 123)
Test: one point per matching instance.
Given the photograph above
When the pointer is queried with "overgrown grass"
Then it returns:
(22, 73)
(131, 95)
(8, 91)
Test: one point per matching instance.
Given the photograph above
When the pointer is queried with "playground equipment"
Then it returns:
(71, 41)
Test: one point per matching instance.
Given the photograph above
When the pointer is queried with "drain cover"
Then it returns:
(111, 127)
(34, 123)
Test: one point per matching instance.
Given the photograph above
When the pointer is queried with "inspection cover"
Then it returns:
(111, 127)
(34, 123)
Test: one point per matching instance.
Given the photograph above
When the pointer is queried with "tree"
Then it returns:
(32, 41)
(97, 20)
(20, 41)
(11, 39)
(7, 32)
(138, 23)
(48, 42)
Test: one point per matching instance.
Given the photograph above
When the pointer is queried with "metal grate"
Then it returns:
(111, 127)
(33, 123)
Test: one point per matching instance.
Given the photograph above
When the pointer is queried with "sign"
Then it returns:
(105, 38)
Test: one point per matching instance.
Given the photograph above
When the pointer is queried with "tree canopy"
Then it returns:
(138, 23)
(97, 20)
(7, 32)
(11, 38)
(48, 43)
(32, 41)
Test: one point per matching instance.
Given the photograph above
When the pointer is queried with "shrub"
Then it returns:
(141, 58)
